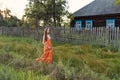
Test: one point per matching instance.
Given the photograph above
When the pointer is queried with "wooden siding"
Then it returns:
(98, 20)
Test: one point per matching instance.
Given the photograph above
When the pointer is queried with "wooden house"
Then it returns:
(98, 13)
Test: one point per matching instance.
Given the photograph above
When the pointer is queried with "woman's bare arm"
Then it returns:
(44, 43)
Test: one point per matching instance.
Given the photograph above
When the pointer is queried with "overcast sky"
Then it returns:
(17, 6)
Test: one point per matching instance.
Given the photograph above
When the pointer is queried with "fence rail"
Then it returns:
(96, 35)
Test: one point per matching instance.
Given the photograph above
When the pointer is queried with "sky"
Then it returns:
(17, 6)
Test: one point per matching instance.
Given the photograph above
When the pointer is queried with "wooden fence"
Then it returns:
(96, 35)
(35, 33)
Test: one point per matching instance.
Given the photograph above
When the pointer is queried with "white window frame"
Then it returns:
(90, 25)
(108, 21)
(78, 24)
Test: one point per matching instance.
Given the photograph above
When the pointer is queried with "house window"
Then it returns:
(89, 24)
(78, 24)
(110, 23)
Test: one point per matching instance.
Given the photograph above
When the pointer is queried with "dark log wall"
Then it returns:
(98, 20)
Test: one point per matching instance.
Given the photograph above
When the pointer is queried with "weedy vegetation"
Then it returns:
(70, 62)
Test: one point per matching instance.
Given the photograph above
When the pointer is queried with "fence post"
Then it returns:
(116, 41)
(23, 32)
(64, 29)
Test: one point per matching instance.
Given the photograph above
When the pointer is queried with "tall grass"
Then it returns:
(9, 73)
(70, 62)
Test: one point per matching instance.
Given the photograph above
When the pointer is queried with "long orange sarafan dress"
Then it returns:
(47, 55)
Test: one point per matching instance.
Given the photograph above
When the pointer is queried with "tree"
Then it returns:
(117, 2)
(48, 11)
(13, 21)
(1, 18)
(7, 13)
(34, 12)
(60, 11)
(6, 19)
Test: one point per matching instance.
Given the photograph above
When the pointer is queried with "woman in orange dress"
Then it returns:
(47, 55)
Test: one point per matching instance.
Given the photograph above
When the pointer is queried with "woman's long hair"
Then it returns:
(45, 34)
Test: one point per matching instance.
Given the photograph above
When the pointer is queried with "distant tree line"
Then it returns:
(38, 13)
(6, 19)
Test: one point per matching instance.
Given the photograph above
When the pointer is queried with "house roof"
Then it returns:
(98, 7)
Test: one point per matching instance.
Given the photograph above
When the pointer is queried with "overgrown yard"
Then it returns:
(70, 62)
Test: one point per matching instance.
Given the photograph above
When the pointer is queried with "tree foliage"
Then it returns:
(48, 11)
(6, 19)
(117, 2)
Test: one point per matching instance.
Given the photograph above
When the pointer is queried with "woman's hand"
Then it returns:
(49, 47)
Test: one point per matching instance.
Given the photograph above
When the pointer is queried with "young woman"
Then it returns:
(47, 55)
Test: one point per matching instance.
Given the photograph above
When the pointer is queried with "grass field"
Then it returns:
(70, 62)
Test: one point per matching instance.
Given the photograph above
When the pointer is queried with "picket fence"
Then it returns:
(95, 35)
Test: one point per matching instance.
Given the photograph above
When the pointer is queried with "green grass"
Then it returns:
(70, 62)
